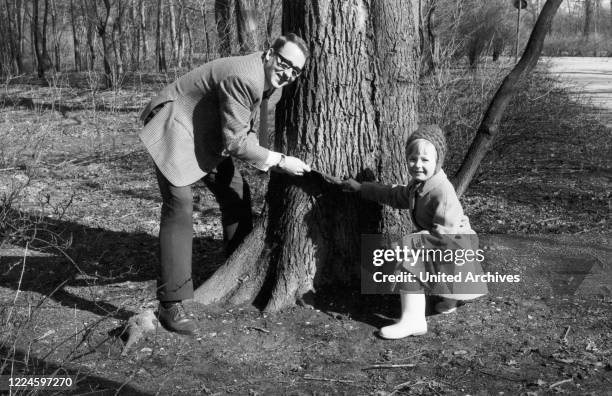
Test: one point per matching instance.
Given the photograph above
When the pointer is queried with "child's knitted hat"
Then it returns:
(433, 134)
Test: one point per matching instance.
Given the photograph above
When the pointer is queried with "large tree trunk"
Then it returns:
(350, 115)
(489, 127)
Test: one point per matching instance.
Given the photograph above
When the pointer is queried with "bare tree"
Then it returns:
(43, 60)
(103, 15)
(246, 25)
(143, 29)
(160, 45)
(430, 49)
(206, 35)
(13, 43)
(75, 37)
(350, 115)
(56, 36)
(186, 22)
(273, 10)
(489, 127)
(180, 35)
(173, 36)
(119, 41)
(90, 27)
(135, 35)
(224, 12)
(588, 19)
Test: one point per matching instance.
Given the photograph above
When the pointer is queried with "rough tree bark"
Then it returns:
(246, 25)
(105, 27)
(224, 10)
(75, 37)
(56, 37)
(21, 6)
(160, 45)
(13, 37)
(135, 33)
(489, 127)
(91, 36)
(350, 115)
(206, 35)
(180, 35)
(43, 61)
(429, 42)
(143, 30)
(45, 51)
(271, 21)
(588, 19)
(119, 41)
(173, 36)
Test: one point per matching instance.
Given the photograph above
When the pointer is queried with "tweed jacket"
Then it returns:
(433, 205)
(207, 115)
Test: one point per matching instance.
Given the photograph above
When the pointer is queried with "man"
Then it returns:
(192, 130)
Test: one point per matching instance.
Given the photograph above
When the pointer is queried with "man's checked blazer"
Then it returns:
(207, 115)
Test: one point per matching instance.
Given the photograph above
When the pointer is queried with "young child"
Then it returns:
(435, 212)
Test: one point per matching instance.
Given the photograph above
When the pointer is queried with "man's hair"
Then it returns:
(291, 38)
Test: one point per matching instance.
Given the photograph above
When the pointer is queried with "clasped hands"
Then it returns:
(296, 167)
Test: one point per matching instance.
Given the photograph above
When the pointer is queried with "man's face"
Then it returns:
(284, 65)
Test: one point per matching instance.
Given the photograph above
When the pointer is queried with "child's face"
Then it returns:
(422, 160)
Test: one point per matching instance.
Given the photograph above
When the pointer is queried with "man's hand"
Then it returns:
(351, 185)
(292, 166)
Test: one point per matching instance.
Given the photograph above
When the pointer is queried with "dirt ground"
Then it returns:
(542, 210)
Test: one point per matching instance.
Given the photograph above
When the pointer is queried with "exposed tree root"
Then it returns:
(237, 280)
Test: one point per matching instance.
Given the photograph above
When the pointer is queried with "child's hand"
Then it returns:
(351, 185)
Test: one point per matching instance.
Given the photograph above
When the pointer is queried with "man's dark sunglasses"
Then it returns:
(286, 64)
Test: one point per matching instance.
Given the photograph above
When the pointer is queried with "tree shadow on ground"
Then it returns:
(18, 362)
(95, 257)
(376, 310)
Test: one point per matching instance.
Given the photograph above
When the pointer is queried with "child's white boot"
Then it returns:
(412, 321)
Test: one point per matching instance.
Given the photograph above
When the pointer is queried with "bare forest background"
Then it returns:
(123, 37)
(80, 205)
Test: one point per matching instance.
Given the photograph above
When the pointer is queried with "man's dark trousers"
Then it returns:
(176, 226)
